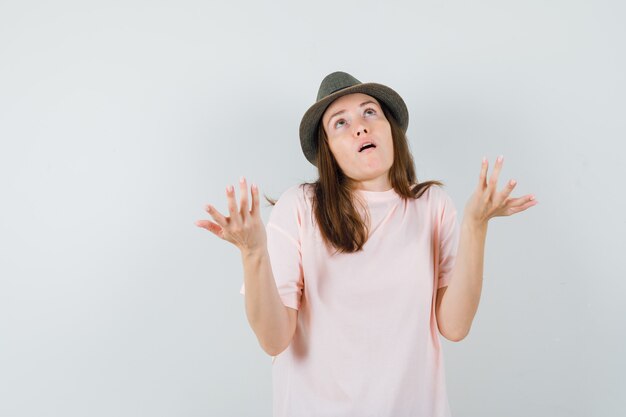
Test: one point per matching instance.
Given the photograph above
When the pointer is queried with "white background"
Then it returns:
(120, 120)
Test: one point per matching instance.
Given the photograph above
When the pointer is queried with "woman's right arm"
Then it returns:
(273, 323)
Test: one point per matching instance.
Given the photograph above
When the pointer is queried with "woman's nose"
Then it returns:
(360, 130)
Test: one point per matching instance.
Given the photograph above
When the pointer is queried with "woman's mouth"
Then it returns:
(367, 147)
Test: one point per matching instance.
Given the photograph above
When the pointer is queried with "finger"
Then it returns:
(211, 227)
(243, 188)
(524, 206)
(217, 216)
(516, 203)
(482, 178)
(493, 180)
(504, 194)
(255, 201)
(235, 217)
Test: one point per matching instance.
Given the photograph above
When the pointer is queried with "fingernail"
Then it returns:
(254, 186)
(241, 179)
(229, 188)
(500, 158)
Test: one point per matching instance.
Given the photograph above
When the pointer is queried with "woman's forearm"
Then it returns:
(266, 313)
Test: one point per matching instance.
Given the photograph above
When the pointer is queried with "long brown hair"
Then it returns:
(340, 223)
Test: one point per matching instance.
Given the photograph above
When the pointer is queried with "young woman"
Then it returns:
(355, 275)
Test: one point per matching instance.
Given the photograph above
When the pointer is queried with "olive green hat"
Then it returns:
(339, 84)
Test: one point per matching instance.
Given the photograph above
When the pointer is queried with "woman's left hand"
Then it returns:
(486, 202)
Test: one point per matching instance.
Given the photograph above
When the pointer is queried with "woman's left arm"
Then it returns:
(458, 302)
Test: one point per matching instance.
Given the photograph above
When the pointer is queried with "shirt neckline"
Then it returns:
(379, 195)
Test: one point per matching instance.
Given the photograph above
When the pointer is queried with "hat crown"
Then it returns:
(334, 82)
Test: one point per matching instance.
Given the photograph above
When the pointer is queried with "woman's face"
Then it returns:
(351, 121)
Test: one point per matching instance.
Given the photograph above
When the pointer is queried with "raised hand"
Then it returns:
(243, 228)
(487, 203)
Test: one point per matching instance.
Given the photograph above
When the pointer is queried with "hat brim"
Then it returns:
(311, 118)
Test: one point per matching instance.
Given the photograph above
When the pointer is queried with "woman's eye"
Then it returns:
(372, 111)
(368, 111)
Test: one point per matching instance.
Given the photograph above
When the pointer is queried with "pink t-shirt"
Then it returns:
(366, 341)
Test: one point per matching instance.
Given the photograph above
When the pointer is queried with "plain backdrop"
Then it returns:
(121, 120)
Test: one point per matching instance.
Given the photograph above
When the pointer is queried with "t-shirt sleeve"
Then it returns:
(449, 234)
(284, 247)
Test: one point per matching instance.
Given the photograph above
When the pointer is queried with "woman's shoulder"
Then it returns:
(291, 207)
(435, 197)
(440, 200)
(296, 195)
(431, 192)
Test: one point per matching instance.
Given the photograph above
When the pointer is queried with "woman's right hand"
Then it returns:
(243, 228)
